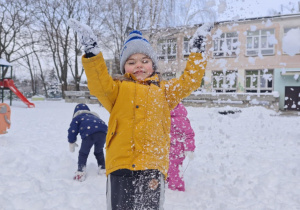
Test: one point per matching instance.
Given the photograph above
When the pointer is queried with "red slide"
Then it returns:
(9, 83)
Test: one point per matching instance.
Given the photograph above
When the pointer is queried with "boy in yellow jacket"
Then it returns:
(139, 103)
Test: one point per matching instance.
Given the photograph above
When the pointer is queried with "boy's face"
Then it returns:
(139, 65)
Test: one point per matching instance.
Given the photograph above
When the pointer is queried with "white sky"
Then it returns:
(193, 11)
(253, 8)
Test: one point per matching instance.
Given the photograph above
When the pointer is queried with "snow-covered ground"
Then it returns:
(244, 161)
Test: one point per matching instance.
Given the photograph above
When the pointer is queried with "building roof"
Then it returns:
(261, 18)
(176, 28)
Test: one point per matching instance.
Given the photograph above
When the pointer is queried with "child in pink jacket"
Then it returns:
(182, 144)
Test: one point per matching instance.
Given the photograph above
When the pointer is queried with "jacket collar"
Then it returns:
(152, 79)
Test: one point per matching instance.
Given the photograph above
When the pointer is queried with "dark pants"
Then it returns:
(96, 139)
(135, 190)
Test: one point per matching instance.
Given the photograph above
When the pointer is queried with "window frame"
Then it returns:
(169, 75)
(164, 54)
(223, 88)
(218, 42)
(257, 37)
(258, 78)
(186, 44)
(201, 88)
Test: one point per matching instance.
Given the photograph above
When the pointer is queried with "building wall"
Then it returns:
(276, 62)
(280, 82)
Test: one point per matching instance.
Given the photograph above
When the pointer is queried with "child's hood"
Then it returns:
(81, 107)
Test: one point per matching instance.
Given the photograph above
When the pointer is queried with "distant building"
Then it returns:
(112, 67)
(246, 56)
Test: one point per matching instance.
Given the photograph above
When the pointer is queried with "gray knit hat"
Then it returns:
(136, 43)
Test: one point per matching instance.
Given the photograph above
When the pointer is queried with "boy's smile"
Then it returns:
(140, 65)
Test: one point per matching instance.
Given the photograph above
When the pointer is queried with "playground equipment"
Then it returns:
(4, 118)
(8, 84)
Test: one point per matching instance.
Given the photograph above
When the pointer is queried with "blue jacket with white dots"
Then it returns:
(85, 122)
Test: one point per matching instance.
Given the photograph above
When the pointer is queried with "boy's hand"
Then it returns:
(72, 146)
(198, 41)
(86, 36)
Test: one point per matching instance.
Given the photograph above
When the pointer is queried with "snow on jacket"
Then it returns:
(182, 133)
(85, 122)
(139, 124)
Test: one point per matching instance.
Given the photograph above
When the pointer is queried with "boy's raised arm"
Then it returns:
(178, 89)
(190, 80)
(100, 82)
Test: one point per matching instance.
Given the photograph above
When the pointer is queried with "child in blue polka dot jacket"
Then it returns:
(93, 133)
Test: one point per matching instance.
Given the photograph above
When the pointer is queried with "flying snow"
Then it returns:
(291, 42)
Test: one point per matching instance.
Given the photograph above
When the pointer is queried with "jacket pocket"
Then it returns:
(111, 133)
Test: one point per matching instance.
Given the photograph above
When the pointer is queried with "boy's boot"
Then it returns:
(101, 170)
(80, 176)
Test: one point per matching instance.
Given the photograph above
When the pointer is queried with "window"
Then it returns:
(202, 85)
(186, 47)
(224, 82)
(167, 49)
(169, 75)
(259, 81)
(260, 42)
(286, 30)
(226, 45)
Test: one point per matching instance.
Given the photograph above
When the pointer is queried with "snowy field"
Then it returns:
(244, 161)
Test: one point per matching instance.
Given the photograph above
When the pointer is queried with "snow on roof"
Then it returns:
(4, 62)
(261, 18)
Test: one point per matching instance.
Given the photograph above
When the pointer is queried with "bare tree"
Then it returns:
(91, 13)
(76, 73)
(118, 20)
(27, 63)
(53, 16)
(35, 30)
(156, 9)
(15, 19)
(31, 59)
(120, 17)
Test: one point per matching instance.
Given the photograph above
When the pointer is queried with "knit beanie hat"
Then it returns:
(136, 43)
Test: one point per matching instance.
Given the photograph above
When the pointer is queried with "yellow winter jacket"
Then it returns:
(139, 123)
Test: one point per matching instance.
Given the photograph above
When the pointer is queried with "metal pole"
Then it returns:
(10, 90)
(2, 88)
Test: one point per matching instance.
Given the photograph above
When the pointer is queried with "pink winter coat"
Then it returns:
(182, 134)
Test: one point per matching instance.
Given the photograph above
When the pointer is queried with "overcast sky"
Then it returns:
(220, 10)
(235, 9)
